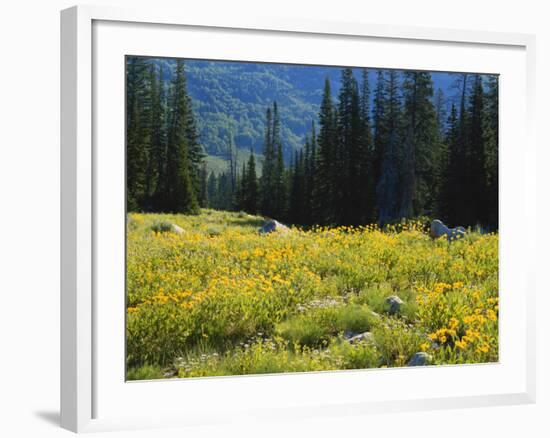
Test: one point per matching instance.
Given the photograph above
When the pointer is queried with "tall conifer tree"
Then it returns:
(387, 189)
(367, 158)
(279, 188)
(491, 133)
(138, 131)
(474, 185)
(179, 193)
(349, 153)
(324, 189)
(421, 146)
(267, 180)
(250, 186)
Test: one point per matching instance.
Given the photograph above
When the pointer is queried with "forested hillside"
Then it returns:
(229, 99)
(379, 146)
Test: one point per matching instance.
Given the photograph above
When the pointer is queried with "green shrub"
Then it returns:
(316, 326)
(357, 355)
(145, 372)
(397, 342)
(374, 297)
(161, 227)
(258, 356)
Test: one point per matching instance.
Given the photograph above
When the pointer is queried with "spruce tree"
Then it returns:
(196, 152)
(179, 194)
(250, 186)
(440, 111)
(379, 123)
(203, 194)
(279, 187)
(491, 151)
(266, 182)
(297, 209)
(137, 131)
(212, 186)
(349, 154)
(157, 155)
(474, 185)
(366, 156)
(310, 161)
(447, 195)
(325, 177)
(421, 147)
(387, 189)
(461, 203)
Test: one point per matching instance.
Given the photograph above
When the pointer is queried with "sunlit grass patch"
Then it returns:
(318, 324)
(203, 294)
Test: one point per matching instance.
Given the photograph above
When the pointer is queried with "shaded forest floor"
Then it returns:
(213, 297)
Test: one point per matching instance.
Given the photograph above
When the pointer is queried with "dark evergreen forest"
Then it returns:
(376, 153)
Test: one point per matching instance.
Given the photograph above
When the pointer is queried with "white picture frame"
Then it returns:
(83, 174)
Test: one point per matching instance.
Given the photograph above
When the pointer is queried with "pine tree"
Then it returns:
(179, 193)
(297, 209)
(157, 154)
(379, 119)
(240, 190)
(226, 199)
(447, 195)
(349, 154)
(491, 151)
(212, 187)
(196, 152)
(203, 196)
(325, 177)
(387, 189)
(440, 111)
(421, 153)
(232, 159)
(474, 185)
(266, 183)
(441, 155)
(367, 181)
(279, 187)
(150, 174)
(250, 186)
(310, 160)
(138, 131)
(461, 202)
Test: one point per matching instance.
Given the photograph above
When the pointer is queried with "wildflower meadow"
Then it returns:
(207, 295)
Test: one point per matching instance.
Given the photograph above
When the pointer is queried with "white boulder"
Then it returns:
(177, 229)
(273, 226)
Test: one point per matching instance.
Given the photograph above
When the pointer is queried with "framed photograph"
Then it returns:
(284, 218)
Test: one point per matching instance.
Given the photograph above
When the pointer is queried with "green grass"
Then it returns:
(221, 299)
(316, 326)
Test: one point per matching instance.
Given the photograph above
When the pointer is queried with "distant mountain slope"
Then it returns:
(230, 98)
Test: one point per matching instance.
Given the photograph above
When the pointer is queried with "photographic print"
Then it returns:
(301, 218)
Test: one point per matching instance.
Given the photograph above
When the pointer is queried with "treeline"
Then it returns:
(395, 155)
(401, 158)
(164, 159)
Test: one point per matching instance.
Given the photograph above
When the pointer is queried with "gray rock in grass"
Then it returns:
(456, 233)
(362, 337)
(394, 303)
(438, 229)
(420, 359)
(273, 226)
